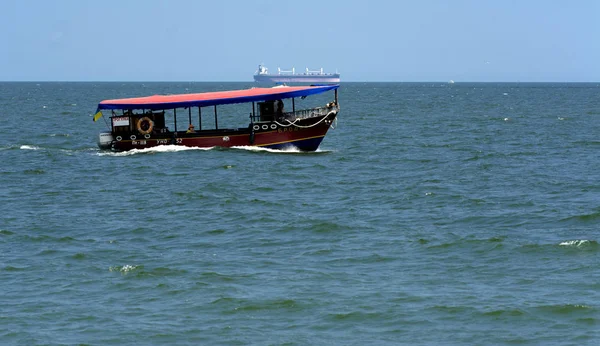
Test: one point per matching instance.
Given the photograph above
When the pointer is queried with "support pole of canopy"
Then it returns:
(253, 111)
(190, 114)
(199, 118)
(175, 118)
(293, 105)
(336, 98)
(216, 123)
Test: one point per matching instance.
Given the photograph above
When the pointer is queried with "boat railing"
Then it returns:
(309, 113)
(306, 113)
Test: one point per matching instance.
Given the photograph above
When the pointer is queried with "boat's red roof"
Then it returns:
(214, 98)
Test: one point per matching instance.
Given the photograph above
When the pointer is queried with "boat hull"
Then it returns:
(303, 134)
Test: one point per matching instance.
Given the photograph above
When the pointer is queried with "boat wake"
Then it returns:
(178, 148)
(287, 150)
(153, 150)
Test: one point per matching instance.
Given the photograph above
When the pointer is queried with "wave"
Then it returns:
(586, 143)
(14, 269)
(159, 272)
(585, 217)
(48, 148)
(580, 243)
(505, 312)
(215, 276)
(34, 171)
(43, 238)
(320, 226)
(576, 244)
(276, 304)
(565, 309)
(124, 269)
(36, 147)
(79, 256)
(358, 316)
(235, 305)
(493, 243)
(517, 311)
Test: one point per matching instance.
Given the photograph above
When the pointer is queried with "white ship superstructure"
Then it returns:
(262, 75)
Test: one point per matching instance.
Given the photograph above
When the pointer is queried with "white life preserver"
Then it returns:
(119, 138)
(147, 135)
(265, 127)
(132, 137)
(256, 127)
(273, 126)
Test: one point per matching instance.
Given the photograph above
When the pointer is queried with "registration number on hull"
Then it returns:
(168, 141)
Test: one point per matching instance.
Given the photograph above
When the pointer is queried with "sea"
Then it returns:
(432, 214)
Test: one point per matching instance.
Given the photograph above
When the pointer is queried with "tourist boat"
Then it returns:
(143, 122)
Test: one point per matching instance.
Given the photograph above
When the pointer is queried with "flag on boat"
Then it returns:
(98, 115)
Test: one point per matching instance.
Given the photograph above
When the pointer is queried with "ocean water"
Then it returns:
(433, 214)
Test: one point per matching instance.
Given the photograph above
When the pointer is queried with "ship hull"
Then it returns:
(333, 78)
(304, 135)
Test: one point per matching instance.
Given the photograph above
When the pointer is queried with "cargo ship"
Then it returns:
(262, 75)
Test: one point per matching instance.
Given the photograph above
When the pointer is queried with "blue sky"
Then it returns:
(225, 40)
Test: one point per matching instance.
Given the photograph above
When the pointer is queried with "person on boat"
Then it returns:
(279, 110)
(190, 129)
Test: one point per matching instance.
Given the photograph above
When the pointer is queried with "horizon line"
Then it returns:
(253, 82)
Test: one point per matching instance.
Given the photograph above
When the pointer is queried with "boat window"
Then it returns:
(266, 110)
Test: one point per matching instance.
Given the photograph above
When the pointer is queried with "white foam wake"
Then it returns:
(123, 269)
(576, 243)
(153, 150)
(176, 148)
(287, 150)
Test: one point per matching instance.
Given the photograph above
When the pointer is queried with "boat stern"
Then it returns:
(105, 140)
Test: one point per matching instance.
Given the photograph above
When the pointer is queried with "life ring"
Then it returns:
(147, 135)
(119, 138)
(256, 127)
(145, 125)
(132, 137)
(265, 127)
(273, 126)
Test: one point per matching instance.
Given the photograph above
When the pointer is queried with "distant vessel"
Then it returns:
(262, 75)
